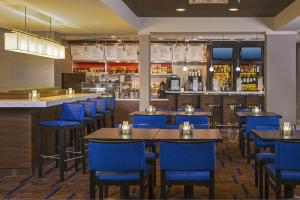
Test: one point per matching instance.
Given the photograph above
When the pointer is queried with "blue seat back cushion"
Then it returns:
(256, 139)
(90, 108)
(287, 156)
(254, 121)
(101, 105)
(110, 103)
(202, 120)
(72, 112)
(145, 126)
(156, 121)
(117, 156)
(187, 156)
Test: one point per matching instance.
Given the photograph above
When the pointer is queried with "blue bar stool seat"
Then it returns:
(70, 122)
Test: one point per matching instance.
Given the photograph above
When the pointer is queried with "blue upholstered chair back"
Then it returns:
(72, 112)
(145, 126)
(110, 103)
(192, 119)
(187, 156)
(254, 121)
(157, 121)
(196, 110)
(101, 105)
(287, 156)
(90, 108)
(117, 156)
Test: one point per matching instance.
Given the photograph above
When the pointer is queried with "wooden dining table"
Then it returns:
(249, 114)
(273, 136)
(112, 134)
(171, 113)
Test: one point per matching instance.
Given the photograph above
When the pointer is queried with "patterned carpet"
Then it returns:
(234, 180)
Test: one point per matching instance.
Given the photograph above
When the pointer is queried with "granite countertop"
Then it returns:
(45, 101)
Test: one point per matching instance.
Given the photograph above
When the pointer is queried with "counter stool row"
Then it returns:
(76, 120)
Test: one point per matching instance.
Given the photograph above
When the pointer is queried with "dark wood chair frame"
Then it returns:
(188, 185)
(276, 185)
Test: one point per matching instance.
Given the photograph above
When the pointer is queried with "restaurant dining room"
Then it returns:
(149, 99)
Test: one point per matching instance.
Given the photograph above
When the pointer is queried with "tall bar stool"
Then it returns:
(233, 124)
(110, 108)
(91, 117)
(70, 122)
(101, 112)
(215, 110)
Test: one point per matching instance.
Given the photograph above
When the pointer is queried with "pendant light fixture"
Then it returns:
(238, 69)
(28, 43)
(211, 68)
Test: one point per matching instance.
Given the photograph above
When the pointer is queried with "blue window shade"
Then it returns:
(222, 53)
(251, 53)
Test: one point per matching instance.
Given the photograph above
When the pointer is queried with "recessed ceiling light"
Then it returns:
(180, 9)
(160, 38)
(113, 36)
(233, 9)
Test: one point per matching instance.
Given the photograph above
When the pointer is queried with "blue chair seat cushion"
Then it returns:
(59, 123)
(265, 157)
(119, 175)
(150, 155)
(187, 175)
(260, 144)
(285, 175)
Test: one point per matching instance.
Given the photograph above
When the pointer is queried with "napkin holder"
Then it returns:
(150, 110)
(256, 110)
(286, 129)
(125, 129)
(34, 95)
(186, 129)
(189, 110)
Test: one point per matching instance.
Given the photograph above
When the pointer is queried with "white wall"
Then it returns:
(23, 71)
(280, 75)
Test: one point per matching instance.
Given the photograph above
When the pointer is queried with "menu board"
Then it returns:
(196, 53)
(179, 53)
(121, 53)
(87, 52)
(161, 53)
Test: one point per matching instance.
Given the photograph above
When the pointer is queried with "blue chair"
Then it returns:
(285, 170)
(119, 163)
(242, 123)
(101, 112)
(252, 122)
(187, 163)
(69, 122)
(262, 158)
(90, 115)
(199, 122)
(159, 121)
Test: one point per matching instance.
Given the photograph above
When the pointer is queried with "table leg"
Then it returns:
(288, 191)
(188, 191)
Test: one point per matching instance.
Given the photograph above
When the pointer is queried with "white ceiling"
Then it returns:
(68, 16)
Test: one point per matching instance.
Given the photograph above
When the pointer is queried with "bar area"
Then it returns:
(138, 99)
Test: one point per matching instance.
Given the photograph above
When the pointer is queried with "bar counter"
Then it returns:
(224, 99)
(19, 120)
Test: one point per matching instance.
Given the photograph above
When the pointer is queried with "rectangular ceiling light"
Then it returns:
(34, 45)
(208, 1)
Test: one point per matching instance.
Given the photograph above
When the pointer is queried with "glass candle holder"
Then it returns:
(189, 109)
